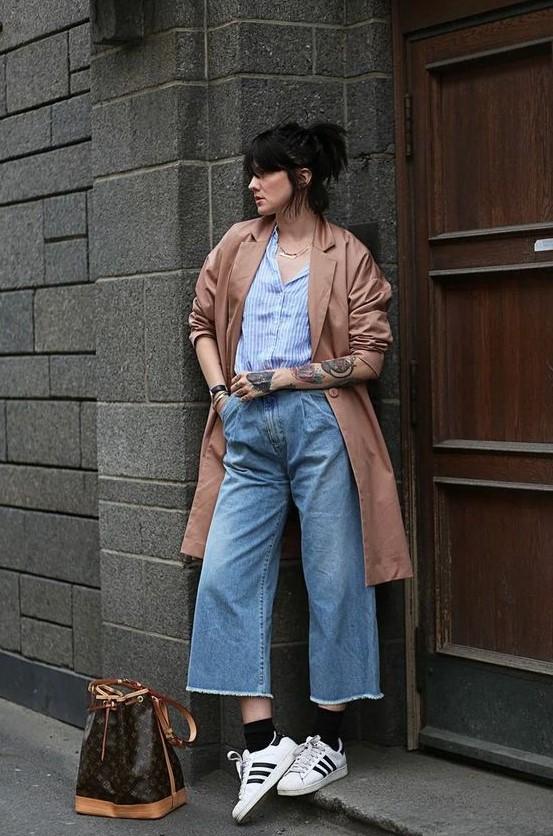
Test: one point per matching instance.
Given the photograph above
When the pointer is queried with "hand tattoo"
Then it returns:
(308, 374)
(261, 381)
(340, 368)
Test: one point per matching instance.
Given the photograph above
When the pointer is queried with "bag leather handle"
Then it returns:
(159, 702)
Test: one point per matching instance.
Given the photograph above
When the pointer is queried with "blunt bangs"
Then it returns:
(266, 154)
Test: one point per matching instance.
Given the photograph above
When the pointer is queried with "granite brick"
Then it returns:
(87, 631)
(168, 14)
(152, 659)
(51, 545)
(383, 721)
(152, 221)
(153, 583)
(59, 170)
(65, 318)
(2, 429)
(260, 48)
(309, 11)
(47, 642)
(49, 489)
(65, 215)
(230, 198)
(172, 372)
(117, 21)
(247, 106)
(79, 47)
(171, 56)
(154, 532)
(66, 261)
(373, 200)
(369, 49)
(329, 52)
(370, 116)
(16, 321)
(45, 432)
(88, 435)
(154, 127)
(150, 441)
(37, 73)
(71, 120)
(25, 133)
(2, 85)
(73, 375)
(23, 377)
(79, 82)
(40, 19)
(46, 599)
(361, 10)
(120, 343)
(10, 636)
(22, 262)
(138, 492)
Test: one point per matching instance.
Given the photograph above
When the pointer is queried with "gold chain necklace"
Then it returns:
(286, 254)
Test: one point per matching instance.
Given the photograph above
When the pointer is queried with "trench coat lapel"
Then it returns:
(321, 278)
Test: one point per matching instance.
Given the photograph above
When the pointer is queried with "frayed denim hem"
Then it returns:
(347, 699)
(226, 693)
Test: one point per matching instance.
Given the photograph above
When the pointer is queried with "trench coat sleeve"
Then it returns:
(202, 316)
(368, 300)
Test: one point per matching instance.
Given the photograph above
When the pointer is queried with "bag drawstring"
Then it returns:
(106, 721)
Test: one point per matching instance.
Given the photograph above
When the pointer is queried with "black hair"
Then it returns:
(288, 147)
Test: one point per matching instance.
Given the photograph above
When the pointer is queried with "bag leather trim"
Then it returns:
(155, 810)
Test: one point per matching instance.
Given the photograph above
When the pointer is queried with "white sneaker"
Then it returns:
(259, 772)
(315, 766)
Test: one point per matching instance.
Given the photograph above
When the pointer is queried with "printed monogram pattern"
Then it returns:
(133, 769)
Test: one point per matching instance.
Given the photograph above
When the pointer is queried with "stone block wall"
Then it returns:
(49, 555)
(176, 89)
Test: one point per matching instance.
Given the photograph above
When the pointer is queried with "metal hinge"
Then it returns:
(408, 120)
(413, 392)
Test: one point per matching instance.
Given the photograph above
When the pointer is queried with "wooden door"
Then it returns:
(480, 163)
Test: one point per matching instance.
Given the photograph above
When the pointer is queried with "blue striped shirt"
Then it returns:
(275, 325)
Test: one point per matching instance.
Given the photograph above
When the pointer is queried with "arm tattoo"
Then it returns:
(308, 374)
(261, 381)
(341, 367)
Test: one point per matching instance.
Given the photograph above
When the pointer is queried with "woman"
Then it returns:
(289, 323)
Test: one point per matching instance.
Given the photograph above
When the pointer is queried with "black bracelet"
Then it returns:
(221, 387)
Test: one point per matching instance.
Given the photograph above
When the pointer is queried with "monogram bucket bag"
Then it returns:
(128, 767)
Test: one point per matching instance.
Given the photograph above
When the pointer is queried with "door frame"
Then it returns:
(413, 20)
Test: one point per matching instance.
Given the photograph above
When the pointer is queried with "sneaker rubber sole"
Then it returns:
(322, 782)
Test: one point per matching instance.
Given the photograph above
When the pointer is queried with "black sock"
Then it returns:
(259, 734)
(327, 725)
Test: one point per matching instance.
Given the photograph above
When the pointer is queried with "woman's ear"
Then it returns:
(305, 175)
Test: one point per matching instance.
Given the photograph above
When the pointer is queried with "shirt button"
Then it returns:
(333, 392)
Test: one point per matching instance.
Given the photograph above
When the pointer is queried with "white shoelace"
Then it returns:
(242, 764)
(307, 754)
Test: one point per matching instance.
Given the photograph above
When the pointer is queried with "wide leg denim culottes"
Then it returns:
(281, 446)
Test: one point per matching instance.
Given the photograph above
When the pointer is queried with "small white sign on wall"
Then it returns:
(543, 244)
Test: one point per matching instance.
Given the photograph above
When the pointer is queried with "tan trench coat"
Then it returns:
(347, 300)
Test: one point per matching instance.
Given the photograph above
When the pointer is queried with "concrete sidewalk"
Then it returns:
(387, 791)
(415, 794)
(38, 768)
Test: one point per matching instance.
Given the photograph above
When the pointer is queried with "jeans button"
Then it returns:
(333, 392)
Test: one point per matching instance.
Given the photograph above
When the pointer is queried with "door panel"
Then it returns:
(482, 213)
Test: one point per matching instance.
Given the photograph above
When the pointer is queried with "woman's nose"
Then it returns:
(253, 184)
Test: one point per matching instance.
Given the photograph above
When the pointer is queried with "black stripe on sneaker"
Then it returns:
(257, 764)
(325, 766)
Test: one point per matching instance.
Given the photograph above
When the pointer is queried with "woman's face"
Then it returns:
(271, 191)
